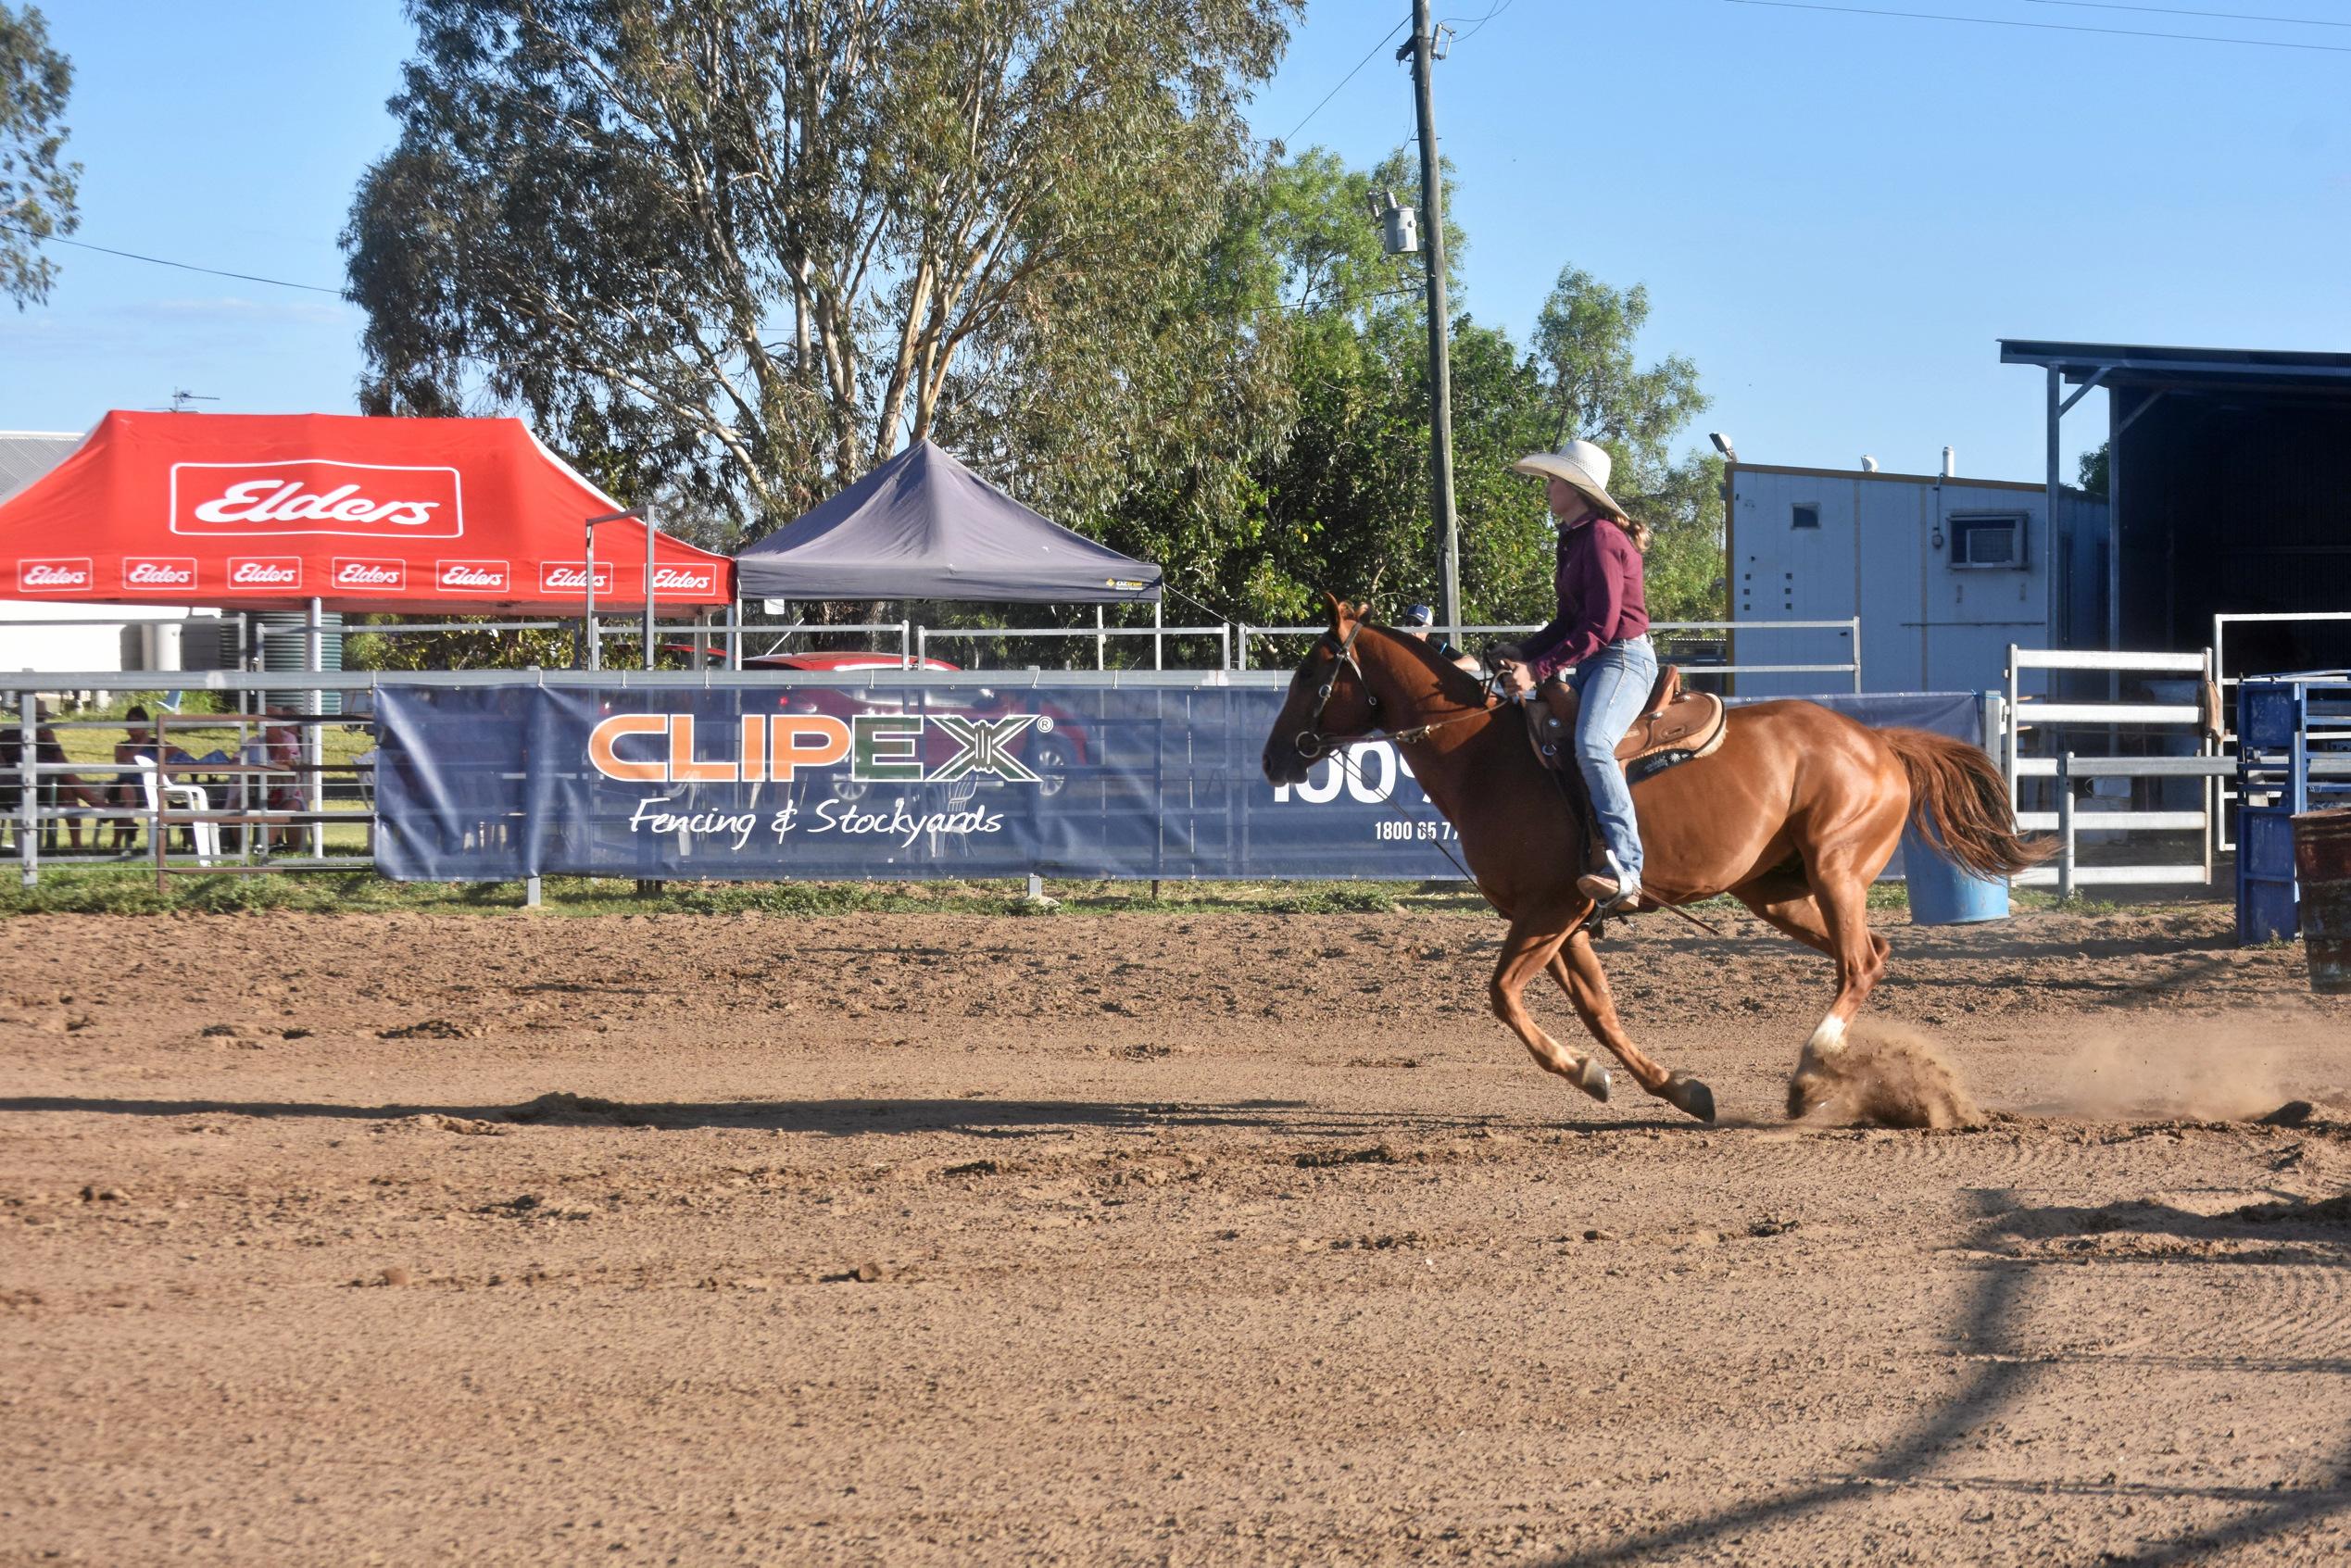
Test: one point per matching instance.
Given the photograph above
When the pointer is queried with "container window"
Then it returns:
(1806, 514)
(1990, 541)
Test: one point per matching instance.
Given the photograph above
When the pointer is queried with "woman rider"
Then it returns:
(1599, 636)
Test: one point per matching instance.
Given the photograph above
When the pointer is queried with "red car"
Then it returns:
(856, 660)
(1049, 748)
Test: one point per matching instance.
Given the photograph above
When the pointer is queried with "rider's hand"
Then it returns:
(1515, 679)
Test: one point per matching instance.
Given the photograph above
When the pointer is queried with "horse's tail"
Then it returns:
(1959, 804)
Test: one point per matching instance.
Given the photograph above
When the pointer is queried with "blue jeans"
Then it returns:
(1612, 686)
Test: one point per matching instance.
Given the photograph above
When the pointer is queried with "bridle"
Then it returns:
(1313, 745)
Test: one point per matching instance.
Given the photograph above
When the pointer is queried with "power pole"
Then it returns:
(1440, 370)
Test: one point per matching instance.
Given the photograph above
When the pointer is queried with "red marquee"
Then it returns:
(259, 511)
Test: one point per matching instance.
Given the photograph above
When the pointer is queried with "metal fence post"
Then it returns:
(2064, 828)
(2009, 749)
(313, 750)
(595, 641)
(1240, 646)
(1159, 634)
(29, 796)
(1857, 656)
(648, 587)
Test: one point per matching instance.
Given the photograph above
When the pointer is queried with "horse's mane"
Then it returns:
(1456, 683)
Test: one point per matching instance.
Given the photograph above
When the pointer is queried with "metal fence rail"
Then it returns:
(1158, 631)
(179, 790)
(2068, 873)
(1849, 668)
(2225, 835)
(2022, 712)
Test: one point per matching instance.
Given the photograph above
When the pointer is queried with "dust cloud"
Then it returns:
(1887, 1076)
(2211, 1069)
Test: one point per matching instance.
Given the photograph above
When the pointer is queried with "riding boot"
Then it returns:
(1612, 889)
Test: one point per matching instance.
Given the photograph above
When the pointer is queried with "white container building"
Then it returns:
(1944, 573)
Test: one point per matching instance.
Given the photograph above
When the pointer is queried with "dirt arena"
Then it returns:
(1149, 1238)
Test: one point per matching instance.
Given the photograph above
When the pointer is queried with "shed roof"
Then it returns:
(2152, 365)
(26, 454)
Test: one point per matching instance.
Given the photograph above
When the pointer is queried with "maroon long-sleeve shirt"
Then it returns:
(1601, 598)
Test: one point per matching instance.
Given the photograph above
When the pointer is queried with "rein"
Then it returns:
(1314, 745)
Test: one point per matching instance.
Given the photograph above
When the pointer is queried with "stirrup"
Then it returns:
(1612, 889)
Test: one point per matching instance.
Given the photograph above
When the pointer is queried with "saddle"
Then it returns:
(1675, 727)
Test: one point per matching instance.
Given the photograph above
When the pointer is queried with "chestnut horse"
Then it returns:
(1794, 816)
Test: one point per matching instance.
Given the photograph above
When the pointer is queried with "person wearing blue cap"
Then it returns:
(1419, 622)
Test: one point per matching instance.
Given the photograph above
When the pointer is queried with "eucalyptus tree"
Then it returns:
(36, 183)
(746, 248)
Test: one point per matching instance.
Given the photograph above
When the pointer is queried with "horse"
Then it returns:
(1794, 816)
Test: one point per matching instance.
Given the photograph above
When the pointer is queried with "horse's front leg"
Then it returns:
(1577, 968)
(1533, 939)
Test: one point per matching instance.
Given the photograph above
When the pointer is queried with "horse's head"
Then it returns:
(1328, 701)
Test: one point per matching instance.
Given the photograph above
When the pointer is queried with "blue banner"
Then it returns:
(849, 780)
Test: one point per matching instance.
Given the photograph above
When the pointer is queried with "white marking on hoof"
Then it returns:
(1829, 1039)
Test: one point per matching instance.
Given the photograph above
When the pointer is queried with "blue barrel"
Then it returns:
(1941, 894)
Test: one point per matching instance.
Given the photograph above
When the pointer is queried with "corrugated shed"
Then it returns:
(26, 454)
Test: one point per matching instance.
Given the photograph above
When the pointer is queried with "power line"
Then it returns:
(1344, 81)
(2042, 27)
(2176, 11)
(1481, 22)
(161, 261)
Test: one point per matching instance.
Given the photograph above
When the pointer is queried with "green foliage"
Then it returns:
(1346, 496)
(485, 649)
(36, 187)
(2091, 480)
(738, 251)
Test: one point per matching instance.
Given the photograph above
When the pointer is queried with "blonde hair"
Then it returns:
(1639, 533)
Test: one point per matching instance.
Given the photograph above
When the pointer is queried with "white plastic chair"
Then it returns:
(183, 798)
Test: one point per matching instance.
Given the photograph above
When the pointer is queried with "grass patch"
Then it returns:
(130, 890)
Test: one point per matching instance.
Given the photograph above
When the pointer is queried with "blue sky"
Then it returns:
(1836, 215)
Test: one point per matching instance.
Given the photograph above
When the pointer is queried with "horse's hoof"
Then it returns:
(1801, 1096)
(1688, 1095)
(1593, 1079)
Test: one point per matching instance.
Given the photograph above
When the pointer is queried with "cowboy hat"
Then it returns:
(1582, 464)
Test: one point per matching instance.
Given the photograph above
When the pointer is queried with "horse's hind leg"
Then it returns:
(1827, 910)
(1577, 968)
(1784, 899)
(1533, 941)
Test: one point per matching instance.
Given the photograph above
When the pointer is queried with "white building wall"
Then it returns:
(94, 639)
(1884, 550)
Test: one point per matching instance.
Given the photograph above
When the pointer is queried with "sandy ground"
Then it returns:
(938, 1240)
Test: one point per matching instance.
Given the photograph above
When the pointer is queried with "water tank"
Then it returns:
(286, 645)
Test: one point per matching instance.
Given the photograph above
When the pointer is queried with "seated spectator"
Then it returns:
(278, 745)
(128, 792)
(54, 789)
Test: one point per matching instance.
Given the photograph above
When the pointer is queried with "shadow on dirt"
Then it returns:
(977, 1117)
(2003, 1380)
